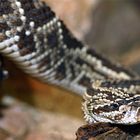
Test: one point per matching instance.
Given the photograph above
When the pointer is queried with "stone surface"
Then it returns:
(102, 131)
(22, 122)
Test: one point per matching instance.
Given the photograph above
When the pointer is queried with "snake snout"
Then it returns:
(131, 113)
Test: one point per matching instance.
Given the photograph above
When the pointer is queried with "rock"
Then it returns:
(20, 121)
(104, 131)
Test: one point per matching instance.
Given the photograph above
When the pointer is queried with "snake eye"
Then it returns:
(124, 112)
(114, 106)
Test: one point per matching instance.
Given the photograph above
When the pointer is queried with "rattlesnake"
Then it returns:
(35, 39)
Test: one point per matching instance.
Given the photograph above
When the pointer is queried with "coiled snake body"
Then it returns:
(41, 45)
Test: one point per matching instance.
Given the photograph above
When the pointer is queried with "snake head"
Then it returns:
(115, 102)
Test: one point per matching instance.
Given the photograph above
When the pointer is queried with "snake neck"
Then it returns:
(41, 45)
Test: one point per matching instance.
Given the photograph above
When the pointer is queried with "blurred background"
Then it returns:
(112, 27)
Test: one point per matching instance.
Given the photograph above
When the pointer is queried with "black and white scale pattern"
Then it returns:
(34, 38)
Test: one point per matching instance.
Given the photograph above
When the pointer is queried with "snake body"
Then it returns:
(35, 39)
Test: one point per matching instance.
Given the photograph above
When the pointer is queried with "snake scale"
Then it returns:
(35, 39)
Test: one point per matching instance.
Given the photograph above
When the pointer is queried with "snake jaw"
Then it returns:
(138, 115)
